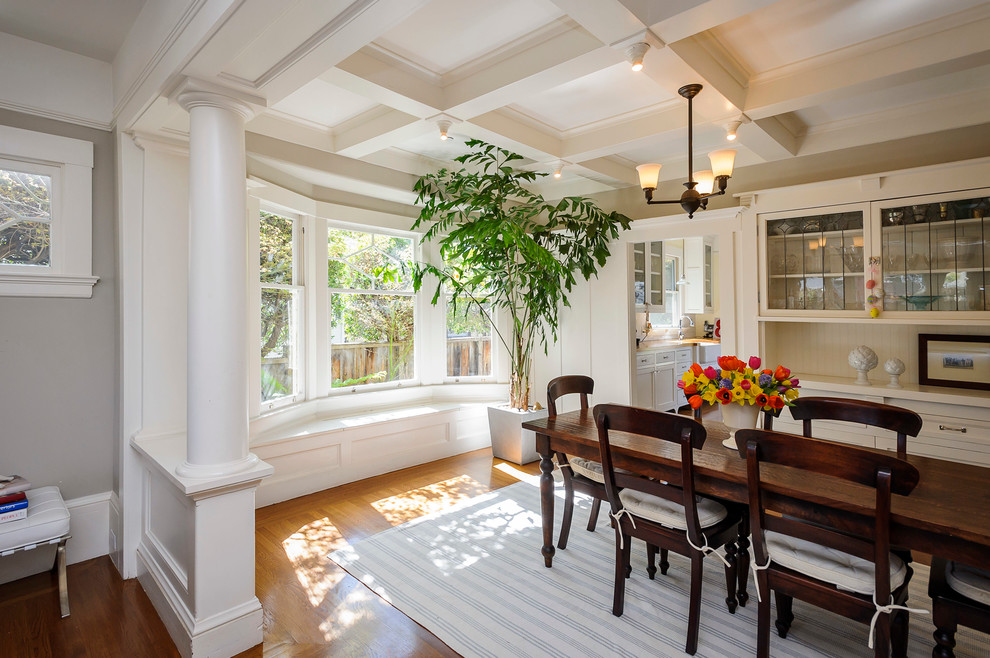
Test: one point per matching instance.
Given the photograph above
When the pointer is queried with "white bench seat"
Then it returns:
(47, 523)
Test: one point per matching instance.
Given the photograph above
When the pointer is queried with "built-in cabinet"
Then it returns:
(648, 276)
(657, 374)
(918, 254)
(698, 272)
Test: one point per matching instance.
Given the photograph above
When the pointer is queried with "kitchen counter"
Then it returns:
(659, 344)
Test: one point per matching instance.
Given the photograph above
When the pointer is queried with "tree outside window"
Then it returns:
(279, 308)
(25, 218)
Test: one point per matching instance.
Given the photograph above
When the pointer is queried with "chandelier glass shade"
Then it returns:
(701, 185)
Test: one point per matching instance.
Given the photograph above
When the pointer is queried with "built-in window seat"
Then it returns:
(325, 443)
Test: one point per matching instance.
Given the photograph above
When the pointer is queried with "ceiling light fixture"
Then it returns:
(730, 132)
(444, 126)
(692, 198)
(635, 54)
(557, 168)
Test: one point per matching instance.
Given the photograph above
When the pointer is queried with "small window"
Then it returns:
(372, 308)
(25, 218)
(469, 340)
(281, 305)
(46, 215)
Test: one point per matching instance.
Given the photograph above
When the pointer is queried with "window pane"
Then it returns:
(371, 338)
(276, 249)
(469, 342)
(278, 350)
(25, 218)
(368, 261)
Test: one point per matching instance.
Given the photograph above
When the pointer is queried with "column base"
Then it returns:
(187, 470)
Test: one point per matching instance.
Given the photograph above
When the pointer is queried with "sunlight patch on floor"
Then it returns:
(419, 502)
(520, 475)
(307, 549)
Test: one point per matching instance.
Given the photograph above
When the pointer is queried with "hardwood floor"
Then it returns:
(311, 606)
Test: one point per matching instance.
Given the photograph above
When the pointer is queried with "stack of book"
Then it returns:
(13, 500)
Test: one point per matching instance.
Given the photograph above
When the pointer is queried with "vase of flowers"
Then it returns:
(741, 388)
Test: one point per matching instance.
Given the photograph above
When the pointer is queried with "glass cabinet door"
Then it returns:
(935, 255)
(639, 273)
(816, 262)
(656, 276)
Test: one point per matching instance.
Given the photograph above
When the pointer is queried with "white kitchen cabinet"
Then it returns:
(648, 277)
(698, 271)
(664, 387)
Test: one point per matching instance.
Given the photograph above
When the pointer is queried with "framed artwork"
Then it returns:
(954, 361)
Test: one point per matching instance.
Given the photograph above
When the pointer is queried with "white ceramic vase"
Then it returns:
(737, 416)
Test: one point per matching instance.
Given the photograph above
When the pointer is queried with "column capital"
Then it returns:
(192, 92)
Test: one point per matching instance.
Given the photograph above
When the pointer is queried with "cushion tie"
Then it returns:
(756, 568)
(887, 609)
(557, 466)
(705, 549)
(618, 525)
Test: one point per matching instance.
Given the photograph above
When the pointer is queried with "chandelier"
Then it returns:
(700, 184)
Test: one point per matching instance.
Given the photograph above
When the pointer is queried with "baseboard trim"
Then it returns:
(89, 525)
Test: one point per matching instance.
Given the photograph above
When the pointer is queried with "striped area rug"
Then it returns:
(473, 576)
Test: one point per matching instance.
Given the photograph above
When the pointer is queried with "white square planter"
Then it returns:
(509, 440)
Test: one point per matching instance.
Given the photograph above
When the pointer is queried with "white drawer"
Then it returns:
(685, 354)
(943, 437)
(665, 357)
(645, 360)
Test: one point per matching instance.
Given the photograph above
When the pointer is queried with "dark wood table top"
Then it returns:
(947, 514)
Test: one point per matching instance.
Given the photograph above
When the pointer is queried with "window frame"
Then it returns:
(69, 162)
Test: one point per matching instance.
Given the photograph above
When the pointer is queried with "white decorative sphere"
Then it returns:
(894, 366)
(863, 358)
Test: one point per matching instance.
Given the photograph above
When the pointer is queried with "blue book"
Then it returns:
(10, 507)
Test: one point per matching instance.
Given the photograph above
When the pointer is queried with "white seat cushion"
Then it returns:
(969, 581)
(843, 570)
(668, 513)
(47, 519)
(589, 469)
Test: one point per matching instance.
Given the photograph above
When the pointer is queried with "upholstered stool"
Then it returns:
(47, 524)
(960, 595)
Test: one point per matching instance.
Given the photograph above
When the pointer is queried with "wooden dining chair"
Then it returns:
(583, 475)
(824, 553)
(960, 595)
(664, 514)
(896, 419)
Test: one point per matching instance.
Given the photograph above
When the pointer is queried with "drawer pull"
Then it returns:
(946, 428)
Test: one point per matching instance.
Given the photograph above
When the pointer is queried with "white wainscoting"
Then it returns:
(315, 454)
(89, 525)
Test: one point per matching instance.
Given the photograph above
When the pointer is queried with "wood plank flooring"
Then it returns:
(311, 606)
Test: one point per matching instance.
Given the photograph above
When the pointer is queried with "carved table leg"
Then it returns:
(546, 499)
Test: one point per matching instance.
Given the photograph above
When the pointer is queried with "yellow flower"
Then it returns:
(709, 396)
(791, 394)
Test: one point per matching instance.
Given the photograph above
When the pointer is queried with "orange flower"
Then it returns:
(690, 389)
(762, 400)
(777, 402)
(781, 373)
(695, 401)
(723, 362)
(696, 369)
(767, 371)
(724, 396)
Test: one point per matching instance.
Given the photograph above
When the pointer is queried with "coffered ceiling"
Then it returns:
(354, 88)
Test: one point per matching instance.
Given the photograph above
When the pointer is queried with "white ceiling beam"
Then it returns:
(852, 71)
(365, 135)
(287, 130)
(386, 83)
(612, 169)
(329, 163)
(769, 138)
(609, 20)
(621, 136)
(547, 64)
(498, 128)
(704, 16)
(959, 111)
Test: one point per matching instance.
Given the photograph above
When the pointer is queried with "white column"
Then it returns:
(217, 402)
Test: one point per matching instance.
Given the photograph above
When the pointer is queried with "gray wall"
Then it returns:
(58, 357)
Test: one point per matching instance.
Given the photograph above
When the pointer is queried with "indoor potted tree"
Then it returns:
(505, 249)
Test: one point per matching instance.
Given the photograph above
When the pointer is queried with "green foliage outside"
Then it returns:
(25, 218)
(505, 248)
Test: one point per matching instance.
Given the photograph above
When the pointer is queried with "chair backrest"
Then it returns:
(896, 419)
(655, 426)
(828, 522)
(566, 384)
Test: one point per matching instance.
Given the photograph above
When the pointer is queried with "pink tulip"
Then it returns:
(680, 383)
(711, 373)
(754, 362)
(745, 384)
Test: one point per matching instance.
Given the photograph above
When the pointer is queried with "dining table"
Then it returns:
(947, 514)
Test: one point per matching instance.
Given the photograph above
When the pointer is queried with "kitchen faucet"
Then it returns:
(680, 325)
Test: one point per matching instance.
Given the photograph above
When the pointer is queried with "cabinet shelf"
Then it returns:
(825, 275)
(925, 226)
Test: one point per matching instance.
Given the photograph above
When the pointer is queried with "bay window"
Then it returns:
(281, 306)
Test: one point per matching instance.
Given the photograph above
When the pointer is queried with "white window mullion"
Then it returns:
(254, 304)
(317, 309)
